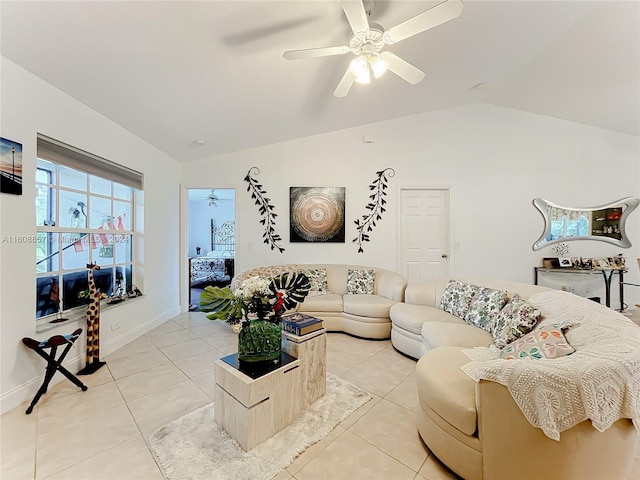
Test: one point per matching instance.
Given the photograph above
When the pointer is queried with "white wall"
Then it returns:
(496, 161)
(29, 106)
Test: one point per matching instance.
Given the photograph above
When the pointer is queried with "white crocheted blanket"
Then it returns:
(600, 381)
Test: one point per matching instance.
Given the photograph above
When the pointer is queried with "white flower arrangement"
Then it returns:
(264, 298)
(253, 287)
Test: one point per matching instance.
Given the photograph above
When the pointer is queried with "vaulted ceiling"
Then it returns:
(173, 72)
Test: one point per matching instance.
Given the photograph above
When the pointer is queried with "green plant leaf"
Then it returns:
(221, 302)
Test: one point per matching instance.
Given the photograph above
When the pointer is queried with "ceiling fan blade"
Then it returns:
(345, 84)
(356, 15)
(423, 21)
(315, 52)
(402, 68)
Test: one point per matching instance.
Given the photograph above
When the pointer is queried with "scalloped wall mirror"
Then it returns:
(605, 223)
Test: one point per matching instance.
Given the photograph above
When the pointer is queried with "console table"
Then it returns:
(607, 275)
(252, 407)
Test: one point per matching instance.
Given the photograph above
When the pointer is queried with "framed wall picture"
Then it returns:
(565, 262)
(10, 167)
(317, 214)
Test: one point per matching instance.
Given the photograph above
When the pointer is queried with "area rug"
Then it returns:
(194, 447)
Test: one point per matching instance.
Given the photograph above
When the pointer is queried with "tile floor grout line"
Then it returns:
(140, 371)
(286, 469)
(386, 453)
(374, 446)
(91, 456)
(144, 438)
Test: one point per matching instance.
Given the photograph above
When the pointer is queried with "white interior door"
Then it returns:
(424, 234)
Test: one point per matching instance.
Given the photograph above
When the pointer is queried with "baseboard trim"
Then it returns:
(130, 335)
(26, 391)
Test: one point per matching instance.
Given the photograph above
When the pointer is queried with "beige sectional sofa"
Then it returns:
(363, 315)
(478, 427)
(418, 325)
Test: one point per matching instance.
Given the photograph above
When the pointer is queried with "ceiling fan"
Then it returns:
(367, 41)
(214, 199)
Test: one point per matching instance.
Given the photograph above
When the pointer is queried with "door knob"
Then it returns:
(444, 255)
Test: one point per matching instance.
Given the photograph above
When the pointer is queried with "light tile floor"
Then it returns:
(101, 434)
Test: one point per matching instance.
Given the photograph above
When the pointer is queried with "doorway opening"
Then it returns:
(211, 239)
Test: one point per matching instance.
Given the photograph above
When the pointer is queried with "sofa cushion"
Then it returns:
(457, 298)
(446, 389)
(411, 317)
(360, 281)
(367, 305)
(485, 307)
(438, 334)
(318, 280)
(546, 341)
(517, 318)
(331, 302)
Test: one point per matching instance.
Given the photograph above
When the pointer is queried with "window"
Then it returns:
(569, 224)
(81, 217)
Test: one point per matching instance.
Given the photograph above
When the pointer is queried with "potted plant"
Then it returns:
(254, 310)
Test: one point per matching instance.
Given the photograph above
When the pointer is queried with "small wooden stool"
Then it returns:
(53, 364)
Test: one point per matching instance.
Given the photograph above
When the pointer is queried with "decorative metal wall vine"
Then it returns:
(376, 207)
(265, 208)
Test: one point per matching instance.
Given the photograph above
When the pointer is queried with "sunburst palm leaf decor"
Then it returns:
(294, 287)
(265, 208)
(376, 207)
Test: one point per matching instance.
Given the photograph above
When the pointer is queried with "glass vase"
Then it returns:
(259, 341)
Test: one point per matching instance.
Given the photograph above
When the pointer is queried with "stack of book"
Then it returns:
(300, 324)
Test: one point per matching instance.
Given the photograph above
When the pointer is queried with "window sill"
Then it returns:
(75, 317)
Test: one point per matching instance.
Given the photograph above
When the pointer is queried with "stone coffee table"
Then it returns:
(254, 405)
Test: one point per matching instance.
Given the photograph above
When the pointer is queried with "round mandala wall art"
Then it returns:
(317, 214)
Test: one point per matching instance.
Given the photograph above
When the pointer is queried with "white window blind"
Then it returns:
(64, 154)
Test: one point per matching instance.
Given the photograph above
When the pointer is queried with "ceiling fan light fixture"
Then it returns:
(360, 68)
(359, 65)
(364, 78)
(379, 66)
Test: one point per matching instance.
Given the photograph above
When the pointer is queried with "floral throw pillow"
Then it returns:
(318, 279)
(485, 307)
(457, 298)
(517, 318)
(546, 341)
(360, 281)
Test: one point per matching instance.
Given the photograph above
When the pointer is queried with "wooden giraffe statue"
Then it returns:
(93, 326)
